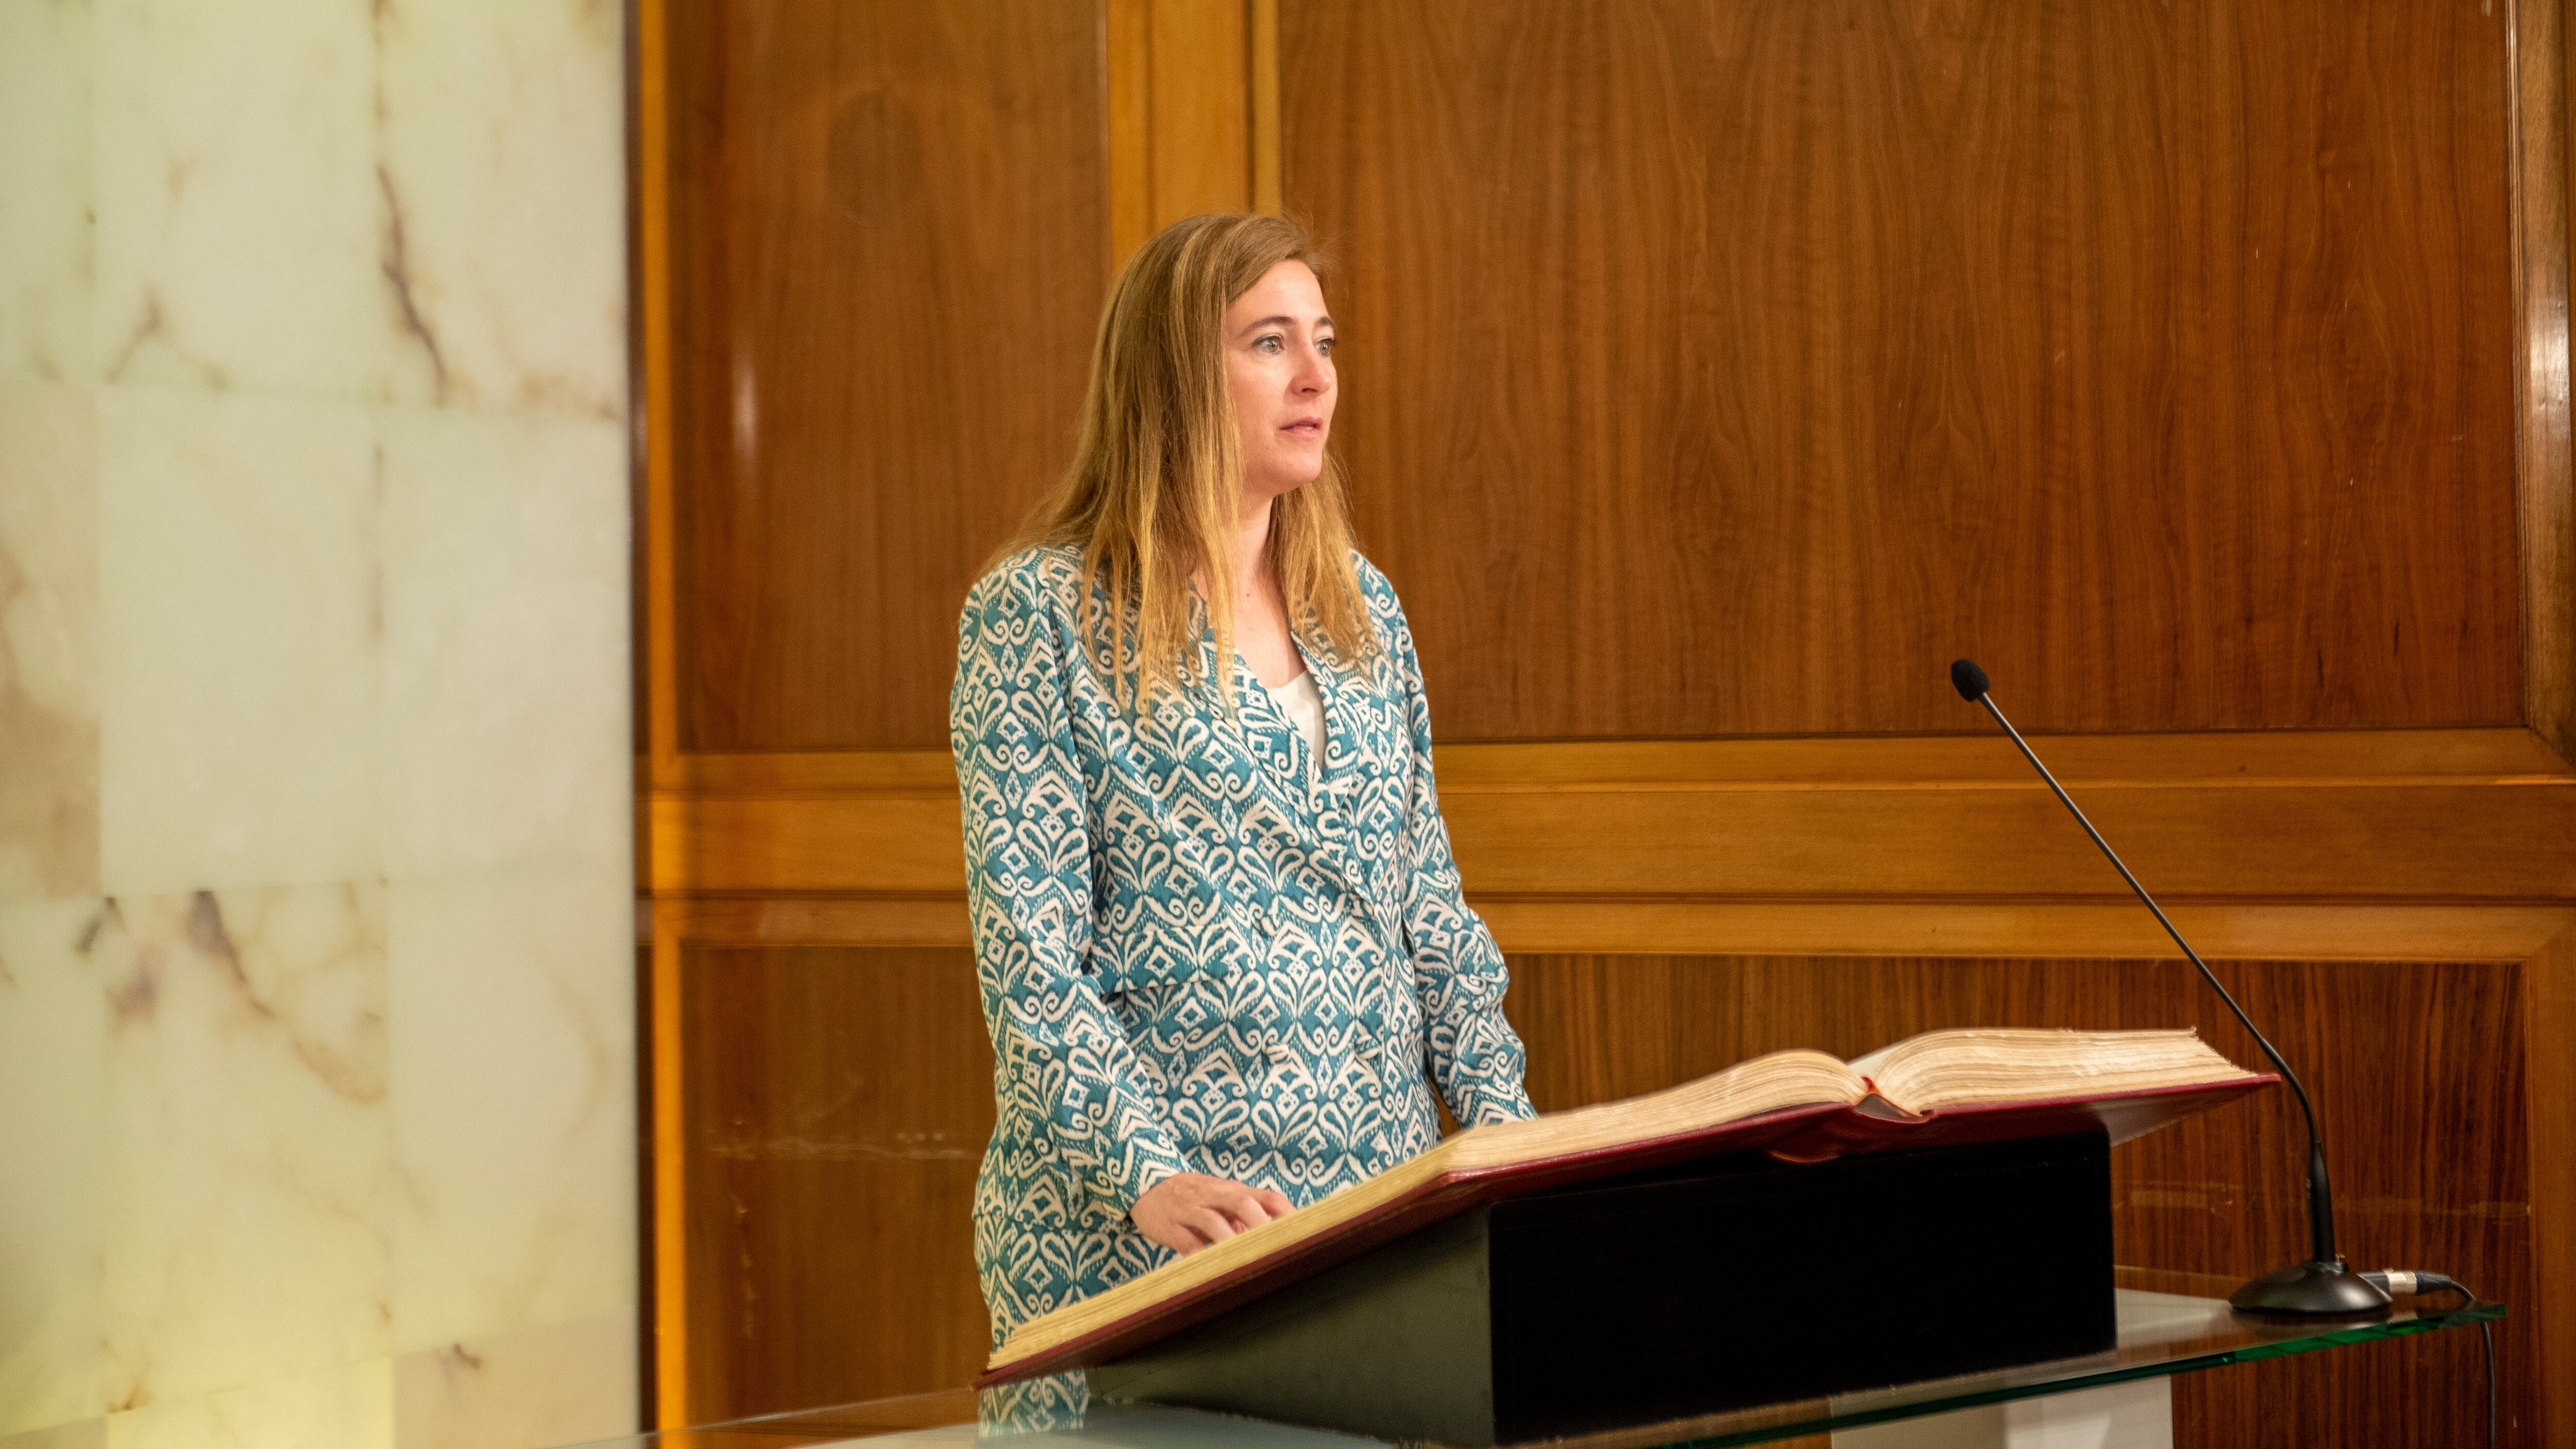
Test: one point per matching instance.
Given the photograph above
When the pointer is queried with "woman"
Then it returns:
(1216, 920)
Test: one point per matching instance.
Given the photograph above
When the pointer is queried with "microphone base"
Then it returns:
(2311, 1291)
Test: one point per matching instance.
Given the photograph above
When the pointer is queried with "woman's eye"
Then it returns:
(1269, 344)
(1325, 347)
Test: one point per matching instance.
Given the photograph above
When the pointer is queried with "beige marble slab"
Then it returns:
(243, 231)
(249, 1142)
(239, 641)
(45, 192)
(49, 822)
(348, 1407)
(513, 1090)
(507, 737)
(564, 1383)
(53, 1130)
(312, 575)
(503, 155)
(85, 1434)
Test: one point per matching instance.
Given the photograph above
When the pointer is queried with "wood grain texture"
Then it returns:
(1202, 124)
(2424, 1138)
(887, 232)
(2122, 930)
(839, 1099)
(2350, 840)
(2547, 471)
(1188, 122)
(1722, 366)
(2271, 757)
(2111, 931)
(670, 1310)
(1716, 368)
(2548, 1330)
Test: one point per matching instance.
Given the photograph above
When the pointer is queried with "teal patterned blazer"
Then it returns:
(1198, 951)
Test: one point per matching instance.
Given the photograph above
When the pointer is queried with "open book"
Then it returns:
(1938, 1089)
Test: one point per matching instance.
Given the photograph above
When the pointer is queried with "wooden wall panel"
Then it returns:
(1729, 366)
(1717, 368)
(838, 1102)
(888, 231)
(2425, 1136)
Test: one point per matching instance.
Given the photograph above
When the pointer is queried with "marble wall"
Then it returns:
(317, 1108)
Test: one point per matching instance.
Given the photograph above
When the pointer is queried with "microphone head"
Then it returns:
(1968, 679)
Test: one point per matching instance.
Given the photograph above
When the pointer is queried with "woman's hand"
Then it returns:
(1190, 1210)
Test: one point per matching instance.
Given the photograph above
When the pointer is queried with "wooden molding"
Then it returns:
(1202, 122)
(1262, 67)
(2345, 840)
(666, 1311)
(2108, 931)
(1127, 52)
(663, 1094)
(854, 771)
(2549, 1320)
(661, 709)
(2545, 497)
(1186, 118)
(1953, 929)
(2426, 815)
(2215, 758)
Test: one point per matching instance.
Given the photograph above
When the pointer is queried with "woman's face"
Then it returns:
(1279, 360)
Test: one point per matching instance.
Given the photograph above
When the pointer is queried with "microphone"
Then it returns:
(2321, 1287)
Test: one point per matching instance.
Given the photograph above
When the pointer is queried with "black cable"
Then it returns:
(2404, 1283)
(2486, 1334)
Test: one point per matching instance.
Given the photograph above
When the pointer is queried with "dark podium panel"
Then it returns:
(1692, 1290)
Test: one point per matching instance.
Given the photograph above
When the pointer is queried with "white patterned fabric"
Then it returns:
(1192, 958)
(1303, 705)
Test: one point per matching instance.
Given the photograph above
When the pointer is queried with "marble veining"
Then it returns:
(53, 1069)
(500, 148)
(350, 1407)
(238, 233)
(249, 1143)
(559, 1384)
(49, 818)
(512, 1090)
(316, 948)
(46, 210)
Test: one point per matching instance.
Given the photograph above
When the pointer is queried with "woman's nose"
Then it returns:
(1314, 374)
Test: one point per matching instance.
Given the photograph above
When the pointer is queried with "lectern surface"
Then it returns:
(2169, 1323)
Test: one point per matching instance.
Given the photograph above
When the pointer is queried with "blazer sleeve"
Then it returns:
(1458, 972)
(1063, 1062)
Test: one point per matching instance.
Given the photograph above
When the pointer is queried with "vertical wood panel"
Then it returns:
(2548, 473)
(839, 1100)
(1202, 129)
(1190, 128)
(1714, 366)
(887, 232)
(2548, 1332)
(1718, 366)
(2425, 1135)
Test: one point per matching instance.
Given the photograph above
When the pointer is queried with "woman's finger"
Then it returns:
(1276, 1201)
(1208, 1223)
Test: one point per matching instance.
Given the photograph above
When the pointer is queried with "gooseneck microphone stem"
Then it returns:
(2322, 1286)
(2321, 1239)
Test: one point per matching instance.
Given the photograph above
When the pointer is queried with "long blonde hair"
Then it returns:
(1157, 478)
